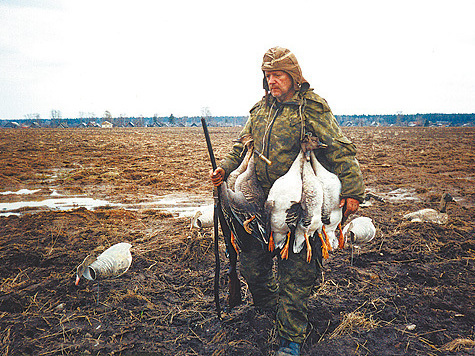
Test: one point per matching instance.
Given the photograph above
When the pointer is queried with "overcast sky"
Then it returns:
(176, 57)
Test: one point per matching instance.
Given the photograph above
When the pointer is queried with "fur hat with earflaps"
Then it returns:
(279, 58)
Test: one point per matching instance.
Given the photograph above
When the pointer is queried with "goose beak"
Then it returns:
(81, 268)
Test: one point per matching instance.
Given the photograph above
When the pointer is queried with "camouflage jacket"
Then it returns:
(276, 129)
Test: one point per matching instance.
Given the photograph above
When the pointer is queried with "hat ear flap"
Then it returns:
(265, 85)
(304, 87)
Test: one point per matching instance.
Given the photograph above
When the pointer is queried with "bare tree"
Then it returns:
(206, 113)
(34, 116)
(55, 117)
(107, 116)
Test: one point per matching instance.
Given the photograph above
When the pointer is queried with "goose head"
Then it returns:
(310, 143)
(82, 267)
(446, 198)
(247, 141)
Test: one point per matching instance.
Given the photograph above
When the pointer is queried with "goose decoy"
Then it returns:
(311, 219)
(359, 231)
(113, 262)
(82, 267)
(203, 217)
(331, 211)
(282, 207)
(432, 215)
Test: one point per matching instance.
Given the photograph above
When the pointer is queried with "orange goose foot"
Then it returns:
(284, 254)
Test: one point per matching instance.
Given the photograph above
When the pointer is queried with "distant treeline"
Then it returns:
(224, 121)
(408, 120)
(168, 121)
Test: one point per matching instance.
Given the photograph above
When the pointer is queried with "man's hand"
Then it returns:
(350, 206)
(217, 176)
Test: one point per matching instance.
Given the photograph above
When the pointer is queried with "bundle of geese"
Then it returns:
(301, 204)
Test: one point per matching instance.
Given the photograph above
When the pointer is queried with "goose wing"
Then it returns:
(426, 215)
(244, 220)
(248, 185)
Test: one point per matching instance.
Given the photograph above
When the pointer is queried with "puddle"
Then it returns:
(54, 204)
(397, 195)
(21, 192)
(402, 194)
(179, 205)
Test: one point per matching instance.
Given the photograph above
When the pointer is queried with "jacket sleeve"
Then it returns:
(234, 158)
(340, 155)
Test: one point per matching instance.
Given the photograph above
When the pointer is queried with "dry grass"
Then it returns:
(458, 344)
(353, 321)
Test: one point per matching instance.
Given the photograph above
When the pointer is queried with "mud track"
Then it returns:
(410, 292)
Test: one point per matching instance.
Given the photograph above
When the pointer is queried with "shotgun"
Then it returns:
(234, 284)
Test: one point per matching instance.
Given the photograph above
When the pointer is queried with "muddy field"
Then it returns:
(410, 292)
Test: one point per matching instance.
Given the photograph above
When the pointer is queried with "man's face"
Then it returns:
(280, 85)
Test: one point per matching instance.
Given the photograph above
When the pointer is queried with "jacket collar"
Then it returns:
(296, 99)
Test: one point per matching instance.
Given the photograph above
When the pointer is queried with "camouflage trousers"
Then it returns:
(288, 291)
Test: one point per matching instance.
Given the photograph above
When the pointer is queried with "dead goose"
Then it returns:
(232, 177)
(282, 205)
(243, 208)
(311, 220)
(432, 215)
(247, 183)
(331, 211)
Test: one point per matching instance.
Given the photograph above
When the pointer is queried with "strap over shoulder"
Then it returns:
(311, 103)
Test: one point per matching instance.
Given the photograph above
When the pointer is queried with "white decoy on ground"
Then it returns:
(331, 211)
(111, 263)
(432, 215)
(82, 267)
(203, 217)
(359, 231)
(311, 219)
(282, 201)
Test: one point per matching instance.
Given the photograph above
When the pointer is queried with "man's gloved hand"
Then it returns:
(349, 205)
(217, 176)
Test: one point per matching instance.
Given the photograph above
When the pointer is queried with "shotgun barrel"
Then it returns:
(234, 285)
(217, 201)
